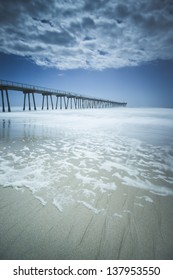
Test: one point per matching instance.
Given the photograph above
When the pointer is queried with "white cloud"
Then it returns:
(88, 34)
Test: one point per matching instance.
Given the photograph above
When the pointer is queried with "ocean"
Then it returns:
(82, 157)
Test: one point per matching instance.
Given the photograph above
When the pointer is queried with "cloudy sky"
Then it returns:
(121, 50)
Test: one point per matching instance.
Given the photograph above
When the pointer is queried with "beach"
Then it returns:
(88, 185)
(30, 230)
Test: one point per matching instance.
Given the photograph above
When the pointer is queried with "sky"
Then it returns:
(119, 50)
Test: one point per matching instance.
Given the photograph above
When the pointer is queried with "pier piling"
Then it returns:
(3, 104)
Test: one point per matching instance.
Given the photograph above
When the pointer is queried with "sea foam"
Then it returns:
(86, 156)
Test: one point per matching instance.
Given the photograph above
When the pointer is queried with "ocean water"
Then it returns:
(68, 158)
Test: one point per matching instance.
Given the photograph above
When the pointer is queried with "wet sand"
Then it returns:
(131, 228)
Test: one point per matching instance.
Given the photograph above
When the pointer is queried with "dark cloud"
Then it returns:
(62, 38)
(102, 52)
(122, 11)
(47, 22)
(87, 33)
(87, 38)
(88, 23)
(92, 6)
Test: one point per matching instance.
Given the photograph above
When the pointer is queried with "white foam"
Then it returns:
(104, 187)
(90, 207)
(25, 148)
(127, 211)
(138, 204)
(85, 179)
(69, 157)
(62, 200)
(88, 193)
(146, 198)
(145, 184)
(117, 215)
(40, 199)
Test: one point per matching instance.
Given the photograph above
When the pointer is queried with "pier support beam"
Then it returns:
(66, 102)
(3, 100)
(8, 101)
(43, 102)
(24, 102)
(75, 102)
(51, 101)
(3, 104)
(56, 103)
(47, 102)
(60, 102)
(29, 101)
(34, 101)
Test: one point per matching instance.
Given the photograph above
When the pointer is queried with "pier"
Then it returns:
(63, 99)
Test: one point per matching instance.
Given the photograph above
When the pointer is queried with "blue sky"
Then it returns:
(121, 50)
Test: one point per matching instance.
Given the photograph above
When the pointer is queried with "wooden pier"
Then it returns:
(64, 99)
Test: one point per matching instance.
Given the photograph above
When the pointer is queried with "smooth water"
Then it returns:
(78, 156)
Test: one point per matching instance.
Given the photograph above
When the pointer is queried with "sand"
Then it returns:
(133, 227)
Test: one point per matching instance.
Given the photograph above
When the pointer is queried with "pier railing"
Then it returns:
(36, 89)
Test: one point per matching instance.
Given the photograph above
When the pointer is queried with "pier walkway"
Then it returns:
(64, 99)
